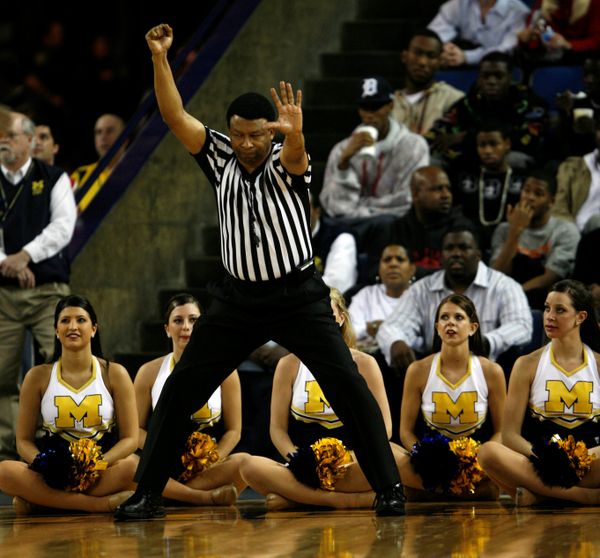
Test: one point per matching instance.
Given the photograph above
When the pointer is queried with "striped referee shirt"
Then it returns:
(501, 304)
(264, 217)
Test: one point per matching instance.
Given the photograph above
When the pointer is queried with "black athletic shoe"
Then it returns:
(390, 501)
(144, 504)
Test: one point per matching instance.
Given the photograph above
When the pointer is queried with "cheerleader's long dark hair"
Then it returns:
(77, 301)
(582, 300)
(476, 344)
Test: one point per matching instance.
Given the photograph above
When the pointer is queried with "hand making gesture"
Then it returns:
(519, 217)
(289, 123)
(160, 38)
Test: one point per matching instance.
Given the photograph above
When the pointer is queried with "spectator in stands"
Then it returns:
(105, 73)
(587, 269)
(106, 131)
(492, 98)
(374, 303)
(421, 230)
(5, 121)
(37, 221)
(359, 184)
(560, 31)
(578, 195)
(470, 29)
(423, 99)
(334, 250)
(46, 81)
(573, 134)
(45, 147)
(505, 316)
(485, 190)
(533, 247)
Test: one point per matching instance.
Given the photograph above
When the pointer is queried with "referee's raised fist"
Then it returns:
(160, 38)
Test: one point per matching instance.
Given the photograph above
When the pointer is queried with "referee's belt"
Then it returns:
(297, 276)
(300, 273)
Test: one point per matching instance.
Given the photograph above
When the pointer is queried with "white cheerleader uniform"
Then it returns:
(455, 410)
(309, 403)
(562, 402)
(312, 417)
(86, 412)
(207, 416)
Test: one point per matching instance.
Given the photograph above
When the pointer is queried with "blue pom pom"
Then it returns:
(303, 465)
(54, 463)
(552, 465)
(434, 462)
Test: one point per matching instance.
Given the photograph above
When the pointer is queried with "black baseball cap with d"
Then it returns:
(375, 92)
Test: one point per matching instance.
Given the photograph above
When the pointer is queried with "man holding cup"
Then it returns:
(368, 174)
(574, 135)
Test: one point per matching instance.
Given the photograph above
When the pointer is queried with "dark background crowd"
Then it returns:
(65, 69)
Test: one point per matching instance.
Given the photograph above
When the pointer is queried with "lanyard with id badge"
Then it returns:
(6, 207)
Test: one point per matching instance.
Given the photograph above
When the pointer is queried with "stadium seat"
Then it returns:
(549, 81)
(461, 79)
(464, 79)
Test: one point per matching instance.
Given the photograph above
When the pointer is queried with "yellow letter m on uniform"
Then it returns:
(463, 408)
(87, 411)
(578, 397)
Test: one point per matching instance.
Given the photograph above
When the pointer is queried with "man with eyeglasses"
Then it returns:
(37, 218)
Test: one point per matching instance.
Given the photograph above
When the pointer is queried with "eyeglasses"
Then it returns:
(13, 135)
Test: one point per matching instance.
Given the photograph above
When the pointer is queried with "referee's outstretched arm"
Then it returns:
(187, 129)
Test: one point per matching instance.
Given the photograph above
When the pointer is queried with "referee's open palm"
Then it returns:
(289, 109)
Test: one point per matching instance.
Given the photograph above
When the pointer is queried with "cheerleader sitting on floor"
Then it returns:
(452, 401)
(319, 470)
(206, 474)
(552, 409)
(88, 411)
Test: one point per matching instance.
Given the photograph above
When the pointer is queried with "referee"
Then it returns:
(271, 290)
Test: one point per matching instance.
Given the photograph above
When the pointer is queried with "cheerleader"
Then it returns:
(553, 391)
(300, 417)
(87, 407)
(220, 418)
(453, 398)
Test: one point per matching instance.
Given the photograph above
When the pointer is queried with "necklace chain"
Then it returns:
(481, 187)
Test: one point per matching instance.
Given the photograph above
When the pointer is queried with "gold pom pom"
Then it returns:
(200, 453)
(87, 461)
(580, 458)
(469, 470)
(332, 460)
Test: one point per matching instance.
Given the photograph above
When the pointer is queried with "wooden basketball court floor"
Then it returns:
(456, 530)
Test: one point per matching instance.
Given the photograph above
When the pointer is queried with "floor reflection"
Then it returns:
(456, 531)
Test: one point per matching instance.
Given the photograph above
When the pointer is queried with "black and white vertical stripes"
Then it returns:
(264, 217)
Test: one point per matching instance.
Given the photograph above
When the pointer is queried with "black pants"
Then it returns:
(296, 313)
